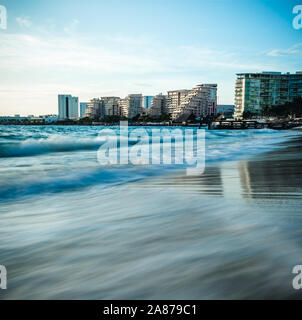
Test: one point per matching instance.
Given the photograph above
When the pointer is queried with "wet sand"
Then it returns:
(272, 175)
(255, 212)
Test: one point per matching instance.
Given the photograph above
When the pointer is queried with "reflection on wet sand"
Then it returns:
(270, 179)
(275, 175)
(209, 183)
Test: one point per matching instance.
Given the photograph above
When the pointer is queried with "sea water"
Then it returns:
(71, 228)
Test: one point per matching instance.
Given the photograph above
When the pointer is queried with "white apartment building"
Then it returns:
(104, 106)
(201, 101)
(68, 107)
(174, 100)
(159, 105)
(131, 105)
(94, 109)
(111, 107)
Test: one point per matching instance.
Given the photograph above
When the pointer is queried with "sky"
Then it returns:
(97, 48)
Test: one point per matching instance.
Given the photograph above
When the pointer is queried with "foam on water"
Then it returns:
(66, 157)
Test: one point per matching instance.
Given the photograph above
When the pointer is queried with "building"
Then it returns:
(174, 99)
(111, 107)
(255, 91)
(123, 107)
(43, 119)
(48, 118)
(68, 107)
(159, 106)
(94, 109)
(37, 120)
(131, 105)
(83, 107)
(227, 110)
(200, 101)
(30, 119)
(101, 107)
(13, 119)
(147, 102)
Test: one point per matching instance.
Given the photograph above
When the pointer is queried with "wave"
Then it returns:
(228, 141)
(56, 143)
(71, 182)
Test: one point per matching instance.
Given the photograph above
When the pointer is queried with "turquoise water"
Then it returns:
(71, 228)
(37, 160)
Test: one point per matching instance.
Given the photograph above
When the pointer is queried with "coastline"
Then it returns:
(229, 124)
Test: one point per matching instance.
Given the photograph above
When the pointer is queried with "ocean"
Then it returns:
(74, 229)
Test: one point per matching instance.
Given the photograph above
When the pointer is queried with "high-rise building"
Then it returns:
(95, 109)
(159, 105)
(201, 101)
(131, 105)
(104, 106)
(255, 91)
(68, 107)
(111, 107)
(147, 101)
(174, 99)
(83, 107)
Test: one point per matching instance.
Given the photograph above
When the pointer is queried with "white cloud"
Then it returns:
(74, 54)
(296, 49)
(22, 51)
(38, 67)
(24, 22)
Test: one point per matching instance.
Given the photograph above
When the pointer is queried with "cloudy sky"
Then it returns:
(95, 48)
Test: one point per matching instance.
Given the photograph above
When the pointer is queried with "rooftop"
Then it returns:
(274, 73)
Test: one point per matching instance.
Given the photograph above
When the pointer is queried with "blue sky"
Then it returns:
(95, 48)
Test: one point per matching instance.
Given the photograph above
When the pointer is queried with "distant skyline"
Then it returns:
(99, 48)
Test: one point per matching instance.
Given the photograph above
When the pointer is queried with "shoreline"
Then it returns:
(272, 169)
(214, 125)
